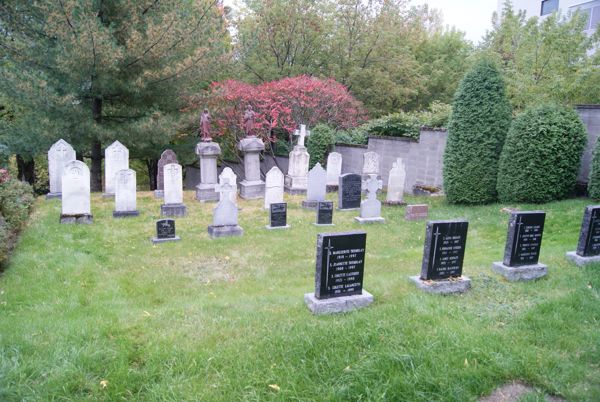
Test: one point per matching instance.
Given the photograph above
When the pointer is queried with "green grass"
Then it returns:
(224, 319)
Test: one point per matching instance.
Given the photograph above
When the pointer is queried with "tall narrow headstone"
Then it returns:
(395, 188)
(349, 192)
(340, 264)
(252, 187)
(443, 254)
(588, 247)
(125, 194)
(370, 209)
(75, 187)
(370, 167)
(296, 181)
(207, 152)
(334, 170)
(225, 214)
(173, 198)
(228, 173)
(59, 155)
(168, 156)
(523, 244)
(278, 216)
(116, 157)
(317, 187)
(273, 187)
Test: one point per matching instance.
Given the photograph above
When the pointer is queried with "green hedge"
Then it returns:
(16, 201)
(594, 178)
(319, 143)
(541, 156)
(481, 117)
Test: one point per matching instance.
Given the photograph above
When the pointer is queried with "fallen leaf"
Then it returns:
(466, 363)
(104, 383)
(347, 368)
(274, 387)
(147, 314)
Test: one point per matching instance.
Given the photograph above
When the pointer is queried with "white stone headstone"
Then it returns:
(301, 134)
(226, 212)
(317, 184)
(370, 163)
(228, 174)
(116, 157)
(371, 207)
(76, 189)
(334, 168)
(173, 184)
(396, 179)
(273, 187)
(125, 191)
(59, 155)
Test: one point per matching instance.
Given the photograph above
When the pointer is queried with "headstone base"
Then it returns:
(206, 192)
(125, 214)
(224, 231)
(365, 221)
(156, 240)
(173, 210)
(323, 224)
(269, 227)
(337, 304)
(306, 204)
(332, 188)
(251, 190)
(581, 261)
(159, 193)
(51, 196)
(84, 219)
(295, 185)
(394, 203)
(108, 195)
(443, 286)
(348, 209)
(523, 273)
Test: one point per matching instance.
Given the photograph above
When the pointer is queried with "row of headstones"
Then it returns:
(341, 257)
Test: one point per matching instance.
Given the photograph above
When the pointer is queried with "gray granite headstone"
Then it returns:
(168, 156)
(278, 216)
(349, 192)
(165, 231)
(225, 214)
(317, 187)
(588, 247)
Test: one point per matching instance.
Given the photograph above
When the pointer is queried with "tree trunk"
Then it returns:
(26, 170)
(96, 154)
(152, 165)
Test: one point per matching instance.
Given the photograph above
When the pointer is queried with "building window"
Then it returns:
(591, 10)
(549, 6)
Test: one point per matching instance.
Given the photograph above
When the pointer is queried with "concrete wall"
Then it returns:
(590, 116)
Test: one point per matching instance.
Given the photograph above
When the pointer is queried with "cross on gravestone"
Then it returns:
(225, 214)
(444, 249)
(372, 186)
(301, 134)
(225, 188)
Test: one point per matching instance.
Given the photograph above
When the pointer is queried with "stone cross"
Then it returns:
(372, 186)
(225, 188)
(301, 134)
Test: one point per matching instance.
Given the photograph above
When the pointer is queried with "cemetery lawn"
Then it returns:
(98, 313)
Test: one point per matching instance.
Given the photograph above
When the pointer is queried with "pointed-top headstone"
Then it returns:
(317, 187)
(273, 187)
(116, 157)
(59, 155)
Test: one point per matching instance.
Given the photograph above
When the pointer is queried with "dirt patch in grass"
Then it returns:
(515, 392)
(209, 270)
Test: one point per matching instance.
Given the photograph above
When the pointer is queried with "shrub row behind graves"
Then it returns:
(594, 178)
(16, 201)
(320, 141)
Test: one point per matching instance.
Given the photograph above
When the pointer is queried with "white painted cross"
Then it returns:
(328, 248)
(301, 134)
(437, 233)
(519, 224)
(372, 186)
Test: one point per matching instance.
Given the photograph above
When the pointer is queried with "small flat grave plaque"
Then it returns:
(350, 192)
(340, 264)
(444, 249)
(278, 215)
(165, 231)
(325, 213)
(524, 238)
(589, 237)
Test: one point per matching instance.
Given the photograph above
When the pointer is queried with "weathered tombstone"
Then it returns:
(370, 209)
(228, 173)
(349, 192)
(273, 187)
(441, 270)
(296, 181)
(225, 214)
(324, 213)
(207, 152)
(370, 167)
(75, 189)
(278, 216)
(252, 187)
(125, 194)
(395, 188)
(173, 197)
(416, 212)
(116, 157)
(522, 250)
(339, 274)
(334, 170)
(588, 247)
(165, 231)
(317, 187)
(167, 157)
(59, 155)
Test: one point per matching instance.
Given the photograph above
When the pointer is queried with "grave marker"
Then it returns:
(273, 187)
(349, 192)
(173, 196)
(116, 157)
(370, 209)
(225, 214)
(334, 170)
(317, 187)
(75, 188)
(278, 216)
(59, 155)
(165, 231)
(167, 157)
(125, 194)
(588, 247)
(324, 213)
(395, 188)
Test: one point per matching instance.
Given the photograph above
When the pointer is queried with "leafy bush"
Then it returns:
(394, 125)
(320, 141)
(41, 184)
(16, 200)
(4, 241)
(4, 156)
(355, 136)
(541, 156)
(481, 117)
(594, 178)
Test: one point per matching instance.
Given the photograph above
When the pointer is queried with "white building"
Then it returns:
(541, 8)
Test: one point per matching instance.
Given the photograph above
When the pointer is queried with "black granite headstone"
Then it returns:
(278, 214)
(589, 236)
(349, 192)
(325, 213)
(340, 264)
(524, 238)
(165, 229)
(444, 251)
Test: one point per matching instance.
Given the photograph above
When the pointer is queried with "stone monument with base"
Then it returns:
(59, 155)
(588, 247)
(522, 250)
(225, 215)
(252, 187)
(370, 209)
(296, 181)
(75, 189)
(173, 205)
(339, 274)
